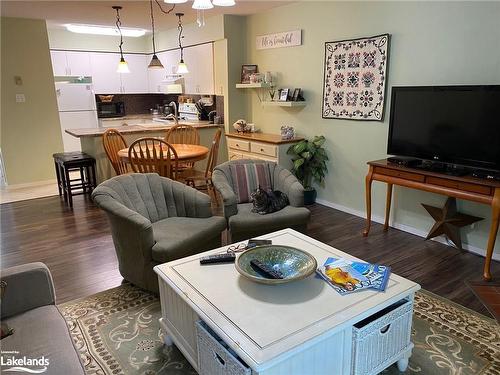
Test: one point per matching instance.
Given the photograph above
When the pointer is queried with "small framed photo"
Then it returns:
(296, 94)
(247, 71)
(284, 95)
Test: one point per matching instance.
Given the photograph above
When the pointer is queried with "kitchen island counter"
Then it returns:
(91, 141)
(147, 127)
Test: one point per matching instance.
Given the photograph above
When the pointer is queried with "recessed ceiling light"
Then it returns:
(104, 30)
(175, 1)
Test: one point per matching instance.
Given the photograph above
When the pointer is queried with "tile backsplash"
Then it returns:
(136, 104)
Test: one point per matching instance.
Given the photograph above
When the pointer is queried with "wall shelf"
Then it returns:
(284, 104)
(260, 85)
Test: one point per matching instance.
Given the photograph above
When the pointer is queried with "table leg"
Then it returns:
(368, 192)
(495, 220)
(388, 206)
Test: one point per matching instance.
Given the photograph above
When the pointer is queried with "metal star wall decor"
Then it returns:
(449, 221)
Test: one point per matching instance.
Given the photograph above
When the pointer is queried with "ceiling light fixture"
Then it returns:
(223, 3)
(175, 1)
(104, 30)
(155, 61)
(182, 67)
(122, 65)
(202, 4)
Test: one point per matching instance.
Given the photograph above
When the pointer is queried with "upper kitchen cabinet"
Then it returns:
(135, 82)
(200, 62)
(104, 76)
(70, 63)
(156, 77)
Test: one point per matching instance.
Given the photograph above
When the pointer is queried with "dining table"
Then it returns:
(186, 153)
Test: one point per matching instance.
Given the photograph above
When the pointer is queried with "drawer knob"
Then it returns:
(262, 149)
(385, 329)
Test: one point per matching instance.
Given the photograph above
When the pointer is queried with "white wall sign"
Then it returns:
(278, 40)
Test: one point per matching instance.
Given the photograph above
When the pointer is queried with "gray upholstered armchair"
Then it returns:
(243, 223)
(155, 220)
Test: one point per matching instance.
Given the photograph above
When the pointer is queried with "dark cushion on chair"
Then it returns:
(178, 237)
(246, 220)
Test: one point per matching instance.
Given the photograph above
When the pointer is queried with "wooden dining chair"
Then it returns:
(192, 177)
(183, 134)
(153, 155)
(113, 141)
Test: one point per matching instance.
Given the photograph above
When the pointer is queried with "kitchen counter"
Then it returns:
(147, 127)
(91, 140)
(264, 137)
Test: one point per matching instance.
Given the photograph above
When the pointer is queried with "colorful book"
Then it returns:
(340, 274)
(376, 273)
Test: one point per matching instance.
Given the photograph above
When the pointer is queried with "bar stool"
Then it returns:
(66, 162)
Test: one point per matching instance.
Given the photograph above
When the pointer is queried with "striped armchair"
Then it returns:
(235, 180)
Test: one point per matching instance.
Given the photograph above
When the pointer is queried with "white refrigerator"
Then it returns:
(77, 109)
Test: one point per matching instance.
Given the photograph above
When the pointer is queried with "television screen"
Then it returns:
(450, 124)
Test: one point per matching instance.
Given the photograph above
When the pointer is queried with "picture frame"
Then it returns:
(355, 75)
(283, 97)
(246, 71)
(296, 94)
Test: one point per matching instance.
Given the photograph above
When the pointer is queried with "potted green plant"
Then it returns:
(309, 164)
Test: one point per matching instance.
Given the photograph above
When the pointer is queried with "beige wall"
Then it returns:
(431, 44)
(30, 131)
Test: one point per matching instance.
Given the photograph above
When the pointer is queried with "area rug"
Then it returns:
(117, 332)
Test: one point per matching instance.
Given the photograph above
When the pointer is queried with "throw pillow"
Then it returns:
(248, 177)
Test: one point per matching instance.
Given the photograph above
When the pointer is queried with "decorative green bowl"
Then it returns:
(294, 264)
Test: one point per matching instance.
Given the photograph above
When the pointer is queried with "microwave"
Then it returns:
(110, 109)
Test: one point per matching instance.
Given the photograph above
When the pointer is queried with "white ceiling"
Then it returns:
(133, 14)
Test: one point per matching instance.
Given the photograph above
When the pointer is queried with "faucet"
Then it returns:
(176, 119)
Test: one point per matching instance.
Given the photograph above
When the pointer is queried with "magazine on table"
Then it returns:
(347, 276)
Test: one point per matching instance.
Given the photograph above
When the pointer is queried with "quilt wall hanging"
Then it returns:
(355, 78)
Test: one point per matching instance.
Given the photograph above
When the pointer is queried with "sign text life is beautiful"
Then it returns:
(278, 40)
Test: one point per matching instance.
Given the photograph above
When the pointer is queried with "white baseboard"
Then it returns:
(404, 228)
(31, 184)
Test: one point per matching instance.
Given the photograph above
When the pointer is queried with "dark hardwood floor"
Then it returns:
(77, 247)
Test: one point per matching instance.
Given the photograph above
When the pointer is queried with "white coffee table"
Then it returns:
(303, 327)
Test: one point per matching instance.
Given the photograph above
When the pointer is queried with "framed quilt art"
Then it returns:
(355, 78)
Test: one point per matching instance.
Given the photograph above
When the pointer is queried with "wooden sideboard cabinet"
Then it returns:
(261, 146)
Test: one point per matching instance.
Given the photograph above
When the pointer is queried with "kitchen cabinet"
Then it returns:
(104, 76)
(135, 82)
(200, 62)
(156, 77)
(107, 81)
(70, 63)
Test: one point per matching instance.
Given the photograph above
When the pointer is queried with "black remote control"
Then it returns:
(265, 270)
(218, 258)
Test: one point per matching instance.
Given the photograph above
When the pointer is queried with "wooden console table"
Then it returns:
(463, 187)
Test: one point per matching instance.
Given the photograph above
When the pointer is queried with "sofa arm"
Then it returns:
(286, 182)
(28, 286)
(226, 191)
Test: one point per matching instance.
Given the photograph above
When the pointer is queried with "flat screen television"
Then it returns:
(450, 124)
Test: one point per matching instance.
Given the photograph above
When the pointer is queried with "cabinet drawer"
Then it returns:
(234, 155)
(263, 149)
(480, 189)
(401, 174)
(238, 144)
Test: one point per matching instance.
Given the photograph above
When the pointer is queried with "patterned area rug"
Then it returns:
(117, 332)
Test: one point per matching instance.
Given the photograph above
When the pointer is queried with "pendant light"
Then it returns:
(223, 3)
(155, 61)
(122, 65)
(202, 4)
(182, 67)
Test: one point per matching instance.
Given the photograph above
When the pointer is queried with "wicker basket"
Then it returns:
(382, 339)
(214, 355)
